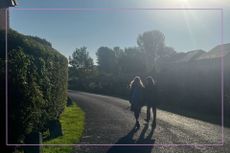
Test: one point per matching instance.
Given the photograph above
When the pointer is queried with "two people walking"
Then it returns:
(143, 95)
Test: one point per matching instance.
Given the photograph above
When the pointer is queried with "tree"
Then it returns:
(106, 59)
(119, 54)
(152, 44)
(81, 69)
(80, 62)
(133, 61)
(37, 80)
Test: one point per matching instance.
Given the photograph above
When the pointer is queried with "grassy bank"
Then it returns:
(72, 121)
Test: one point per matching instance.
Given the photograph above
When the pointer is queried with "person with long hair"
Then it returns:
(136, 97)
(150, 98)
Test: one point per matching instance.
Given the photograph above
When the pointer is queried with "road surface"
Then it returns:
(109, 121)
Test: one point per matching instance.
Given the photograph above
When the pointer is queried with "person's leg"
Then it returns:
(137, 114)
(154, 117)
(148, 113)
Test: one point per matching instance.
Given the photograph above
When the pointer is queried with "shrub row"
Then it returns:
(37, 84)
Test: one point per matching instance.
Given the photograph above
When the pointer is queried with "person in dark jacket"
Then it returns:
(150, 98)
(136, 97)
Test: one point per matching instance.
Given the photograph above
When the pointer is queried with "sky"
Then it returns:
(70, 24)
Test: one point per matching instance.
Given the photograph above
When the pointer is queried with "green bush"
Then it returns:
(37, 83)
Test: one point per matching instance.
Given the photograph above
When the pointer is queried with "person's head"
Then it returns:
(150, 81)
(136, 82)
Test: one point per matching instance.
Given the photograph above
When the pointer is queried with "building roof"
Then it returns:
(216, 52)
(191, 55)
(7, 3)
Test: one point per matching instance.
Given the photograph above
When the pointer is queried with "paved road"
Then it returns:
(109, 121)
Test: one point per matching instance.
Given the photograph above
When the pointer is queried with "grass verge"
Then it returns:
(72, 122)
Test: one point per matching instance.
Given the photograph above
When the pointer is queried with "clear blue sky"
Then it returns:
(67, 30)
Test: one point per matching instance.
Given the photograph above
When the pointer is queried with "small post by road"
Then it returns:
(4, 12)
(33, 138)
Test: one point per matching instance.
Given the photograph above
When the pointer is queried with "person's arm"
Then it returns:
(130, 94)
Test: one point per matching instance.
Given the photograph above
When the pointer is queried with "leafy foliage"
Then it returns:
(106, 59)
(152, 43)
(37, 84)
(81, 68)
(117, 66)
(80, 59)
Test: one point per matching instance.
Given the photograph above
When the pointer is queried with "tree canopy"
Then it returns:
(106, 59)
(80, 63)
(152, 43)
(80, 59)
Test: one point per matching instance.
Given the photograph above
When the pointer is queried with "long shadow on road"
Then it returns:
(144, 138)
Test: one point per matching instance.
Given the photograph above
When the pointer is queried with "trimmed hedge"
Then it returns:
(37, 84)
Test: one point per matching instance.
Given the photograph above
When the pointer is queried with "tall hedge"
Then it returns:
(37, 84)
